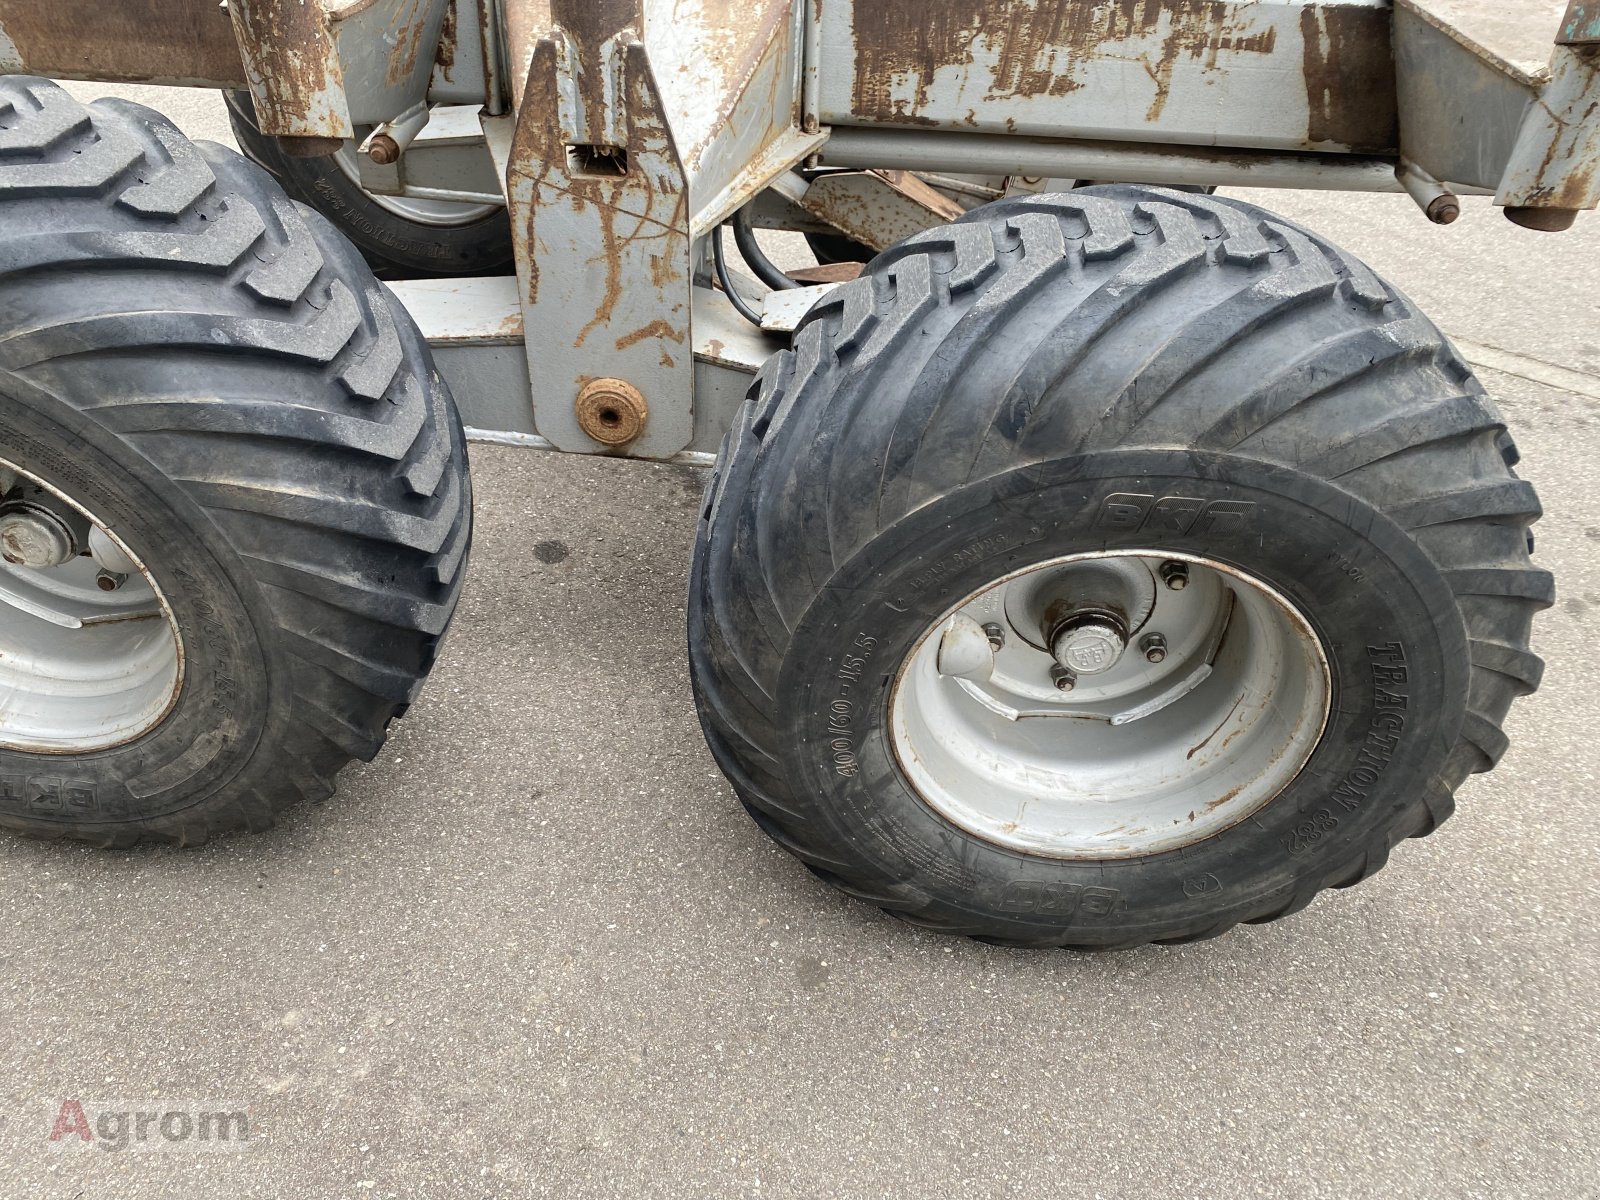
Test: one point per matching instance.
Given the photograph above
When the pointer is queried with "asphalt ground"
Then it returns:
(538, 949)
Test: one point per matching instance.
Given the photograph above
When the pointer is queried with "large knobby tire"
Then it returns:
(213, 374)
(390, 233)
(1113, 370)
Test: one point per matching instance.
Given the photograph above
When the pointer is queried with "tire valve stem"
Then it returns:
(1154, 647)
(995, 634)
(1064, 679)
(109, 581)
(1175, 575)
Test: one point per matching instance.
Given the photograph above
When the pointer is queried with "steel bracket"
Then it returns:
(600, 215)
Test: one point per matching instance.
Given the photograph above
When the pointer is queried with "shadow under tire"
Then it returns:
(213, 372)
(1121, 369)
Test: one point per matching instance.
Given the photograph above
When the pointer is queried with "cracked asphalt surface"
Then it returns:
(538, 949)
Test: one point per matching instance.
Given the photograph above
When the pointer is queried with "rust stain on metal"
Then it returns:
(1220, 726)
(509, 326)
(922, 193)
(878, 208)
(1350, 96)
(293, 67)
(613, 256)
(615, 247)
(135, 41)
(611, 411)
(445, 59)
(1574, 191)
(408, 26)
(656, 329)
(1037, 49)
(590, 24)
(1223, 799)
(1204, 31)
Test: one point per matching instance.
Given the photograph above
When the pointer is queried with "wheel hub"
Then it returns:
(32, 536)
(90, 655)
(1048, 736)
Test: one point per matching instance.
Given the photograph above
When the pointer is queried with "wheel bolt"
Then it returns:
(109, 581)
(1175, 575)
(1064, 679)
(995, 634)
(1154, 647)
(383, 149)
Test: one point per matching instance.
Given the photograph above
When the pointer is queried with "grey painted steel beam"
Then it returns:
(475, 328)
(979, 154)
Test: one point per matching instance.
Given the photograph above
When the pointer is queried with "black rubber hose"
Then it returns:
(766, 270)
(720, 262)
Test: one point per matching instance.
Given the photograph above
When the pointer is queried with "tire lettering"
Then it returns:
(332, 203)
(1131, 512)
(1310, 831)
(1059, 899)
(1346, 567)
(969, 553)
(840, 743)
(54, 796)
(1390, 679)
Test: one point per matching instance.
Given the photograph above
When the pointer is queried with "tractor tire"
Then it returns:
(1118, 388)
(256, 480)
(400, 238)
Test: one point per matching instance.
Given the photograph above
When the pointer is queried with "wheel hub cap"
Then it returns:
(34, 537)
(90, 656)
(1089, 648)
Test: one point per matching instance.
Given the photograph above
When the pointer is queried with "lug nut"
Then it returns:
(109, 581)
(383, 150)
(1175, 575)
(1064, 679)
(995, 634)
(1154, 647)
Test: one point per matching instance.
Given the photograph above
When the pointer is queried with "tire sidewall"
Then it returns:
(1393, 637)
(224, 706)
(475, 247)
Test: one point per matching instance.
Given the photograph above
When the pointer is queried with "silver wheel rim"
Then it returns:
(441, 214)
(1139, 756)
(82, 668)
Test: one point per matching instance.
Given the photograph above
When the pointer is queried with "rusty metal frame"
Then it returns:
(182, 42)
(626, 131)
(1255, 74)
